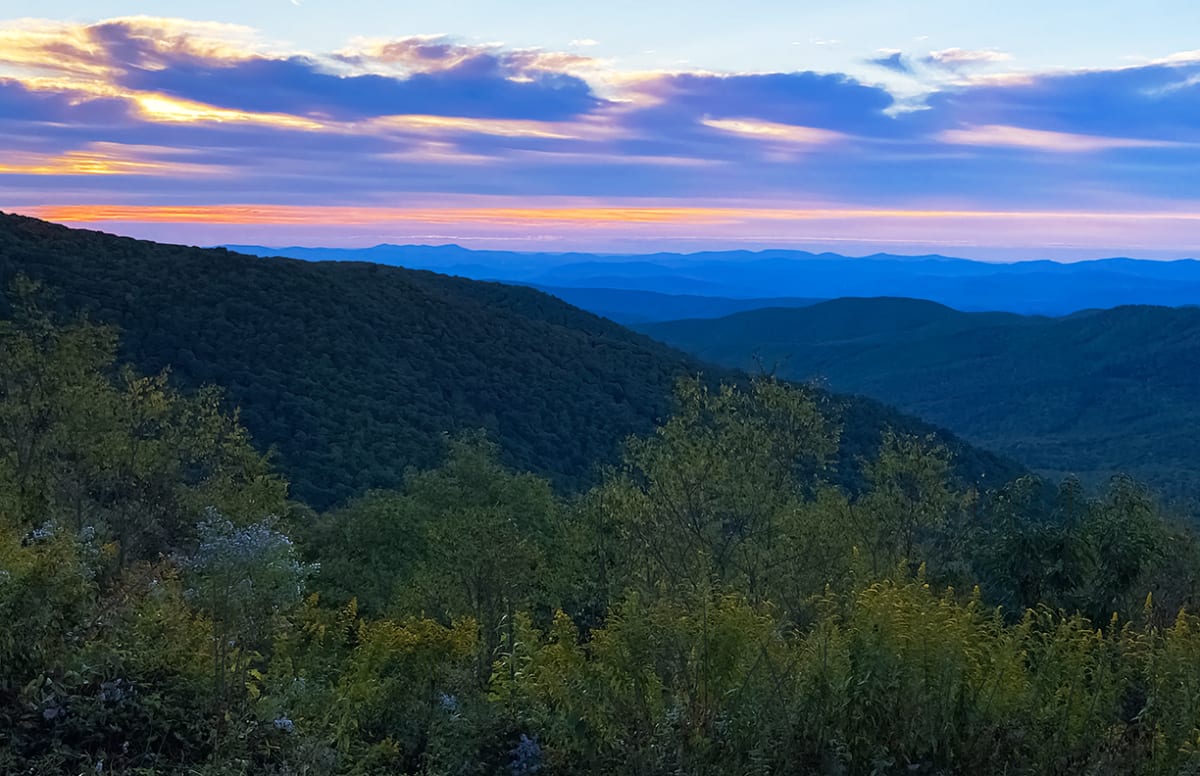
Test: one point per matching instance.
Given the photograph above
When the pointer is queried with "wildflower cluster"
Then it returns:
(43, 533)
(525, 757)
(241, 570)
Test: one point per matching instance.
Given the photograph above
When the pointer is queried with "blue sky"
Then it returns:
(749, 35)
(1000, 130)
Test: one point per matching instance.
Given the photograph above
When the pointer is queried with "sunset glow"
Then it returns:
(457, 138)
(613, 216)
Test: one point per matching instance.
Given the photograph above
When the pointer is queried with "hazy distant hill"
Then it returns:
(1034, 287)
(353, 371)
(1093, 393)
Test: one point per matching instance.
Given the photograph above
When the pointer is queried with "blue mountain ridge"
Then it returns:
(1040, 287)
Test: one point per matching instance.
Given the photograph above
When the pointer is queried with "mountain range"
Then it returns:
(1030, 287)
(1092, 393)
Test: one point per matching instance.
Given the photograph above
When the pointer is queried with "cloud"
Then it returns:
(102, 49)
(21, 104)
(223, 66)
(960, 59)
(1179, 58)
(438, 53)
(1018, 137)
(418, 53)
(434, 53)
(892, 60)
(1151, 102)
(788, 133)
(110, 159)
(121, 111)
(480, 87)
(818, 100)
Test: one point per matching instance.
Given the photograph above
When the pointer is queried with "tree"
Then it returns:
(910, 495)
(700, 502)
(87, 444)
(54, 397)
(489, 537)
(1123, 539)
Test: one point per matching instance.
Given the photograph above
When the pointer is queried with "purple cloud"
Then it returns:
(450, 80)
(819, 100)
(476, 88)
(1157, 102)
(20, 104)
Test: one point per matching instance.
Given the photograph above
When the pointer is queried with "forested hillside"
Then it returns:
(713, 605)
(1093, 393)
(630, 307)
(351, 372)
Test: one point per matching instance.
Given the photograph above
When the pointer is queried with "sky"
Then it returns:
(984, 129)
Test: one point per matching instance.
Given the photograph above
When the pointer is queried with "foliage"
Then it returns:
(716, 604)
(243, 579)
(910, 498)
(125, 457)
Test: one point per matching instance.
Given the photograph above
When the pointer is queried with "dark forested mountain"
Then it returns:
(1031, 287)
(353, 371)
(628, 306)
(1092, 393)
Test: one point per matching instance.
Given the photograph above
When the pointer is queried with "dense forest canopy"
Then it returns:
(351, 372)
(714, 604)
(1096, 393)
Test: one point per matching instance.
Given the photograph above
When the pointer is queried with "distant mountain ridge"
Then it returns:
(1092, 393)
(1033, 287)
(354, 372)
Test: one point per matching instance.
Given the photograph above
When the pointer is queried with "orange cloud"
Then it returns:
(160, 107)
(63, 48)
(105, 159)
(40, 47)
